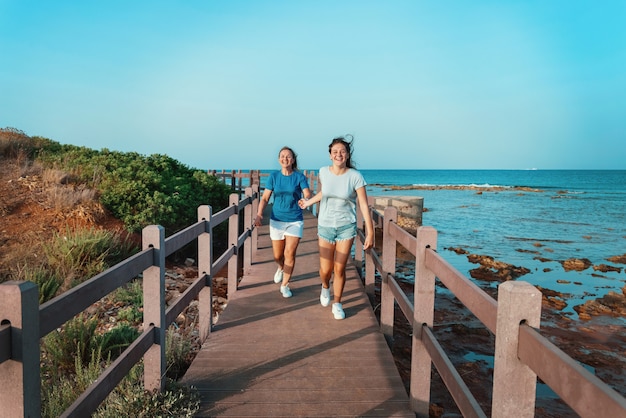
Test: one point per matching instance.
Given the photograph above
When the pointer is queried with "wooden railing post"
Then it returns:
(423, 315)
(20, 381)
(233, 236)
(255, 209)
(387, 301)
(153, 236)
(205, 263)
(248, 215)
(514, 383)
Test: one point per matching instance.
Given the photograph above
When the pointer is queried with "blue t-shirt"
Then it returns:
(338, 205)
(286, 190)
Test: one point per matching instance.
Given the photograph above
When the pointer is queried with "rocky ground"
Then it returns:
(592, 338)
(30, 215)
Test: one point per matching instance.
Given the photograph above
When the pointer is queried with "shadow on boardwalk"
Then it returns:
(274, 357)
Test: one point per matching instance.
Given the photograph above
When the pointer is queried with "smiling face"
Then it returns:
(286, 159)
(339, 154)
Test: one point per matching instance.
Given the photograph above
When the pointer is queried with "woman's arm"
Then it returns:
(265, 198)
(306, 202)
(361, 195)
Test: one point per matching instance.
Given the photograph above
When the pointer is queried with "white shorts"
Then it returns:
(279, 230)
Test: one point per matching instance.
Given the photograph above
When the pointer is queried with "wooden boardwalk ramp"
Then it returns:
(274, 357)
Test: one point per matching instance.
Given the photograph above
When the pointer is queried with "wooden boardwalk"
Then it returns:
(274, 357)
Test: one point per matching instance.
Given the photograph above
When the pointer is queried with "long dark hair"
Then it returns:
(347, 142)
(294, 166)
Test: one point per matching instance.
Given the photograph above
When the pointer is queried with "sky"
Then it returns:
(224, 84)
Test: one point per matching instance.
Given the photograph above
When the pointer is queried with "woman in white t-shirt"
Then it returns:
(341, 185)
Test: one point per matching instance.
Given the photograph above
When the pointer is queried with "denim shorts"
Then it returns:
(341, 233)
(279, 229)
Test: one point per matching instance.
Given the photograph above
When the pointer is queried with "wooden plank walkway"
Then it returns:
(274, 357)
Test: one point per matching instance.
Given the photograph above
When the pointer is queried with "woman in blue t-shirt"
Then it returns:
(288, 185)
(342, 185)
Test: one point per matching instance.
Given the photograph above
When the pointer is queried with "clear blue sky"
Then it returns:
(420, 84)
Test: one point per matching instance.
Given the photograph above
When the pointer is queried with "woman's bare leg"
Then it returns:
(278, 249)
(289, 257)
(342, 252)
(327, 260)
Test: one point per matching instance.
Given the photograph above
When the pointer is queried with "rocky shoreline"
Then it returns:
(476, 188)
(594, 338)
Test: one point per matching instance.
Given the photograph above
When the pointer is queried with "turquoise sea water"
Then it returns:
(573, 214)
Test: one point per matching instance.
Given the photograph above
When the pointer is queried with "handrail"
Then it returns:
(473, 297)
(587, 394)
(20, 382)
(91, 398)
(59, 310)
(461, 394)
(522, 354)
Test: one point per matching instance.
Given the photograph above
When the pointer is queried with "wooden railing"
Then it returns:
(238, 179)
(235, 178)
(23, 322)
(521, 353)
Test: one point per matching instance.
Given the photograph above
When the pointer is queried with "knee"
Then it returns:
(325, 272)
(340, 270)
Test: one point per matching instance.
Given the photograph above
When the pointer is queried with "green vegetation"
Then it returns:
(140, 191)
(63, 381)
(80, 254)
(74, 356)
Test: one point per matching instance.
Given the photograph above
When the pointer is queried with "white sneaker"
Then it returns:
(278, 276)
(325, 296)
(338, 311)
(285, 291)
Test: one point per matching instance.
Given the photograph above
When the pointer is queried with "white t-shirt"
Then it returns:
(338, 205)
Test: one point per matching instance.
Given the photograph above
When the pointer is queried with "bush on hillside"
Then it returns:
(139, 190)
(16, 144)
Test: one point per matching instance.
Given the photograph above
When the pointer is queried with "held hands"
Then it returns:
(303, 203)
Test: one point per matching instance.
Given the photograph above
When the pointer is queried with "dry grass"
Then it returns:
(35, 205)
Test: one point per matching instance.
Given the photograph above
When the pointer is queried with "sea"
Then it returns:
(536, 219)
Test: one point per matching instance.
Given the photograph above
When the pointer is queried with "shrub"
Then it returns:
(177, 353)
(82, 253)
(130, 314)
(60, 392)
(75, 341)
(142, 190)
(129, 399)
(47, 282)
(114, 342)
(131, 296)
